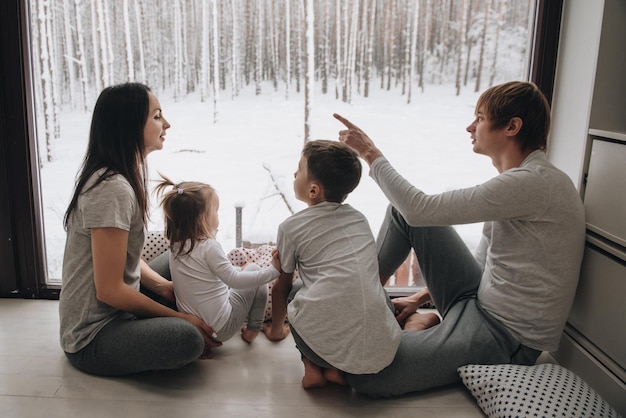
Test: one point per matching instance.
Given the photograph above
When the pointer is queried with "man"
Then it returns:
(510, 300)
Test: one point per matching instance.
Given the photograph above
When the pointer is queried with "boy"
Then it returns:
(339, 315)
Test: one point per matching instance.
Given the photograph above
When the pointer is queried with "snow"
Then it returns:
(259, 135)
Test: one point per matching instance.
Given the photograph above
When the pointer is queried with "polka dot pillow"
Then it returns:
(262, 257)
(154, 245)
(543, 390)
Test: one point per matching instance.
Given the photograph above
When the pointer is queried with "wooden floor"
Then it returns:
(260, 380)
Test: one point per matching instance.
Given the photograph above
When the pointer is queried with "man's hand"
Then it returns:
(407, 306)
(358, 140)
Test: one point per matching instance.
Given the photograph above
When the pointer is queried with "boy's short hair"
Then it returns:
(334, 165)
(520, 99)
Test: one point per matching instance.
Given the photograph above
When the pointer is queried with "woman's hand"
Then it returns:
(207, 333)
(165, 289)
(358, 140)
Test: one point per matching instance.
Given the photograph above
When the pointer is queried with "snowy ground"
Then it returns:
(426, 141)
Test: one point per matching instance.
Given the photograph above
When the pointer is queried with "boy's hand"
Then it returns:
(276, 260)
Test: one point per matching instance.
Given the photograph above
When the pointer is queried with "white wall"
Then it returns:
(573, 89)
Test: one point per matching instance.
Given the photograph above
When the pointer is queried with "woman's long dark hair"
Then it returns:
(116, 142)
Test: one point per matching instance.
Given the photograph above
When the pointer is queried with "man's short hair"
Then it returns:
(519, 99)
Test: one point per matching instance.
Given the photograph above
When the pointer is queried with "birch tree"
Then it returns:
(443, 41)
(140, 47)
(130, 62)
(82, 58)
(481, 55)
(204, 52)
(425, 41)
(309, 67)
(338, 52)
(70, 57)
(287, 49)
(216, 66)
(47, 68)
(461, 45)
(234, 70)
(258, 63)
(492, 75)
(413, 50)
(369, 53)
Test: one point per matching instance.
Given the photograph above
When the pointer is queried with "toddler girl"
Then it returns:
(205, 282)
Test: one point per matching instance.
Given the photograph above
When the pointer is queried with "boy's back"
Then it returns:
(341, 311)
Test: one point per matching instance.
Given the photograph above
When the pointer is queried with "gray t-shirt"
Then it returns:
(341, 311)
(112, 203)
(532, 243)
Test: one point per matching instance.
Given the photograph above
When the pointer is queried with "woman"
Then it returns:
(108, 327)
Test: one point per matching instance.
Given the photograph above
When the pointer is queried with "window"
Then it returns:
(380, 63)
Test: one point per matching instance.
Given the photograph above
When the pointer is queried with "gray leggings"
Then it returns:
(129, 345)
(245, 304)
(467, 333)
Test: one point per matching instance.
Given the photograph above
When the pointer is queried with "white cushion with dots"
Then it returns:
(262, 257)
(154, 245)
(543, 390)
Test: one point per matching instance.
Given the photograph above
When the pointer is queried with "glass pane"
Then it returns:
(231, 76)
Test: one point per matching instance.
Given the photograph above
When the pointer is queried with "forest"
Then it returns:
(214, 48)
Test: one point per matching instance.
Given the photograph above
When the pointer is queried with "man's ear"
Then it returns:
(514, 126)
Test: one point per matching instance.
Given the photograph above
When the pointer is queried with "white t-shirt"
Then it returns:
(112, 203)
(203, 278)
(341, 311)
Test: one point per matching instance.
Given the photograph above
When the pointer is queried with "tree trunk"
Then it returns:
(259, 49)
(309, 67)
(492, 76)
(482, 46)
(287, 49)
(370, 49)
(413, 50)
(130, 67)
(216, 63)
(140, 46)
(205, 61)
(460, 46)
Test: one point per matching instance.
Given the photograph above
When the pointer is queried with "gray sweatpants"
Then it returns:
(467, 334)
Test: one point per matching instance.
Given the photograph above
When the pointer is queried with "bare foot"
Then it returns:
(421, 321)
(313, 375)
(275, 333)
(335, 376)
(248, 335)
